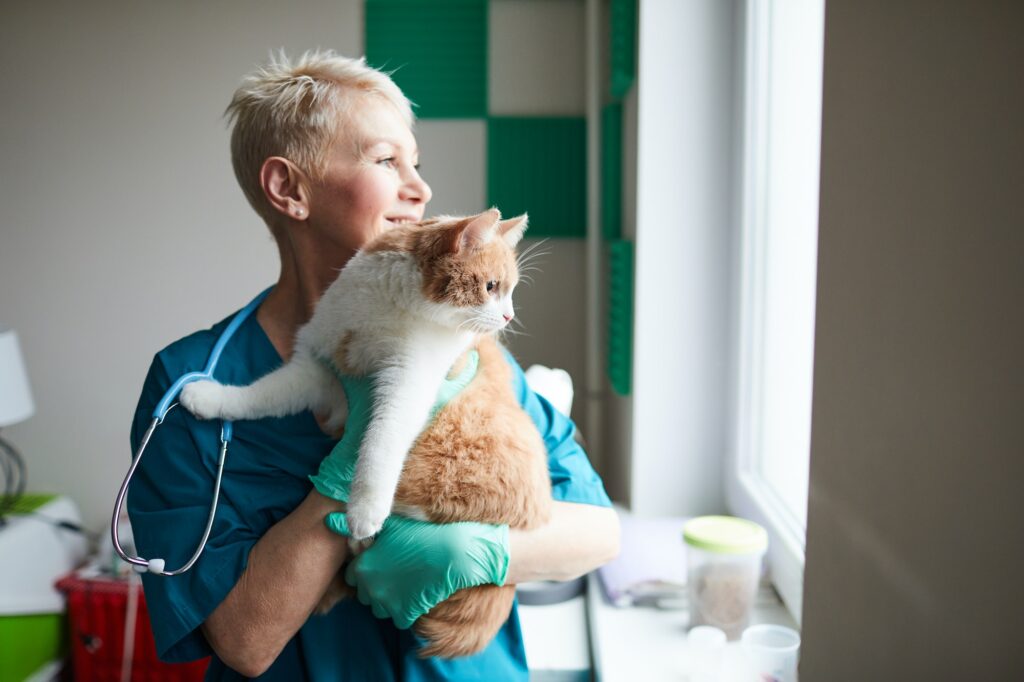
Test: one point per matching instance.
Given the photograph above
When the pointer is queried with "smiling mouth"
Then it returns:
(400, 220)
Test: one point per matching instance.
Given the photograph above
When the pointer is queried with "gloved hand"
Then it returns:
(414, 565)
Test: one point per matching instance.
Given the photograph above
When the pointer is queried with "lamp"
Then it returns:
(15, 406)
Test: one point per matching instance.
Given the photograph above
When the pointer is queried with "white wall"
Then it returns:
(121, 225)
(683, 225)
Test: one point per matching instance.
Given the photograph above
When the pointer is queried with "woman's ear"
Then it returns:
(284, 186)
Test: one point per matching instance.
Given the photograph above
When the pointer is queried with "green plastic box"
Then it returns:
(27, 643)
(30, 641)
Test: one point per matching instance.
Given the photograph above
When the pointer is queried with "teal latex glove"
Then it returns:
(413, 565)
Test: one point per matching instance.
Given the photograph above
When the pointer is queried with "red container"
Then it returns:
(98, 609)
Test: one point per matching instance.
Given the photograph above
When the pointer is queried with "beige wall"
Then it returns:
(915, 549)
(121, 226)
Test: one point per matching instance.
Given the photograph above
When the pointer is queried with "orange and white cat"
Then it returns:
(405, 309)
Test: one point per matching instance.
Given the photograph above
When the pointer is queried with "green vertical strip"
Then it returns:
(620, 315)
(538, 166)
(611, 171)
(436, 52)
(623, 46)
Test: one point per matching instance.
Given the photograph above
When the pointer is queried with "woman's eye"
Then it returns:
(389, 162)
(491, 285)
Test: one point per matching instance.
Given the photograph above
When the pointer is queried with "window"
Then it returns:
(767, 476)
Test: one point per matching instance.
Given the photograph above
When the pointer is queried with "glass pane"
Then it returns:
(793, 132)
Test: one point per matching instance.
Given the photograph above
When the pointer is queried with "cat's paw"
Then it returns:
(365, 519)
(204, 399)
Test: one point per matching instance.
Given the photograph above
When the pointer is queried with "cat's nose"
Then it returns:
(507, 317)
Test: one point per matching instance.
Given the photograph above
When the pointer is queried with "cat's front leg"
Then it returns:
(302, 383)
(402, 401)
(210, 400)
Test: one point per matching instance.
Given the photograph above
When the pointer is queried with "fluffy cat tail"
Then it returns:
(466, 622)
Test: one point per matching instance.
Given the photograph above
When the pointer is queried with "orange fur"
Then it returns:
(340, 356)
(450, 276)
(466, 622)
(399, 238)
(461, 281)
(481, 460)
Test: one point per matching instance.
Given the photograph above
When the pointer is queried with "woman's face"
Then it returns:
(371, 182)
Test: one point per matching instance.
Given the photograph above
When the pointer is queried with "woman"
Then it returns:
(324, 151)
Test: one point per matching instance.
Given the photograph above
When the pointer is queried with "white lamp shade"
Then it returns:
(15, 394)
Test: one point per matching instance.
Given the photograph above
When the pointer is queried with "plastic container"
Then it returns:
(705, 651)
(724, 556)
(770, 653)
(34, 552)
(98, 610)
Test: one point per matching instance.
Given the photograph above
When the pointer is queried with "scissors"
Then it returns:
(156, 565)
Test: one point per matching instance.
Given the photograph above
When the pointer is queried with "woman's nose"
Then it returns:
(416, 188)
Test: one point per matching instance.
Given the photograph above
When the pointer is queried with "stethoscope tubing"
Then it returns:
(157, 566)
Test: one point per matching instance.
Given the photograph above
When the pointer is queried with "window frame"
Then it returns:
(747, 494)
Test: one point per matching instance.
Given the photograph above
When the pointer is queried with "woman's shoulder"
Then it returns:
(190, 352)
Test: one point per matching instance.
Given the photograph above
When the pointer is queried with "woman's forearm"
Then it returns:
(292, 564)
(288, 570)
(577, 539)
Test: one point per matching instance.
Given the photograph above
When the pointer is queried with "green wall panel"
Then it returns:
(538, 166)
(623, 46)
(611, 171)
(620, 315)
(436, 50)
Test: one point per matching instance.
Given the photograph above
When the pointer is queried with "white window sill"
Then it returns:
(639, 643)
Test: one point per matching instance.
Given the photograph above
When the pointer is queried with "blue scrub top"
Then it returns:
(266, 476)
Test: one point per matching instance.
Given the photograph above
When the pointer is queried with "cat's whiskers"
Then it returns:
(526, 261)
(531, 249)
(512, 332)
(509, 331)
(528, 268)
(515, 327)
(531, 255)
(477, 323)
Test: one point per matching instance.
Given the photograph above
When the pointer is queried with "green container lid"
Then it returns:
(725, 535)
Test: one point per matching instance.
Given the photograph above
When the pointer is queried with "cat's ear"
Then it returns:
(512, 230)
(479, 230)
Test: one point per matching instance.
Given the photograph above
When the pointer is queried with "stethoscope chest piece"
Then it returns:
(158, 566)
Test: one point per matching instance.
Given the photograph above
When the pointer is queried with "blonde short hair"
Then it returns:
(293, 110)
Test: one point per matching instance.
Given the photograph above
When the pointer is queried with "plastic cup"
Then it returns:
(705, 651)
(770, 653)
(724, 556)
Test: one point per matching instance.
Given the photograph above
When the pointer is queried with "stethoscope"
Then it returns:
(158, 566)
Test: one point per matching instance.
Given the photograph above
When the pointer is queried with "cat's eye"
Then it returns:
(492, 285)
